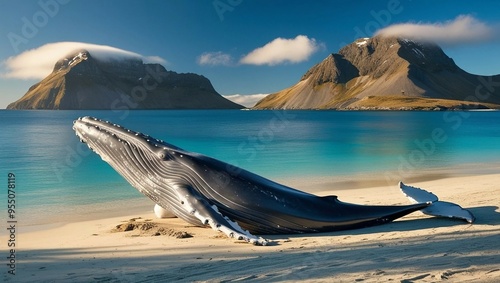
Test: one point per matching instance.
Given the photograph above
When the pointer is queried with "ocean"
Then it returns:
(56, 176)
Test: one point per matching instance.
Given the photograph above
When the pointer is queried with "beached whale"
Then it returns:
(204, 191)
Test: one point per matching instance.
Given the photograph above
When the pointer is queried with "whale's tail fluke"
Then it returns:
(438, 208)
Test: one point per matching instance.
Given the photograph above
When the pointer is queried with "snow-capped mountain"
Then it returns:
(387, 73)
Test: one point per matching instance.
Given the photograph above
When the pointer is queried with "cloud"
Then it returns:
(463, 29)
(38, 63)
(154, 59)
(282, 50)
(215, 58)
(247, 100)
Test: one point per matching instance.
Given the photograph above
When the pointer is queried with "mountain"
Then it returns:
(387, 73)
(83, 81)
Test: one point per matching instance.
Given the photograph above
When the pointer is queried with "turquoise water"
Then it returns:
(54, 170)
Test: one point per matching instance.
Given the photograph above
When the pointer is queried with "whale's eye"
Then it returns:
(164, 155)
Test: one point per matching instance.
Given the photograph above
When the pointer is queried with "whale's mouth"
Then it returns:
(99, 134)
(90, 130)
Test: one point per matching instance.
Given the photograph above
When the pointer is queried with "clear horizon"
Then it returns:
(242, 47)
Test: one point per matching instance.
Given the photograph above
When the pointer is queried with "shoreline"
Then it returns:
(338, 185)
(416, 248)
(82, 213)
(342, 183)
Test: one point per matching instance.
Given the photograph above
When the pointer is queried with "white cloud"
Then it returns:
(247, 100)
(463, 29)
(215, 58)
(282, 50)
(154, 59)
(38, 63)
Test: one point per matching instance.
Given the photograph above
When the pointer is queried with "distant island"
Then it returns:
(383, 73)
(379, 73)
(83, 81)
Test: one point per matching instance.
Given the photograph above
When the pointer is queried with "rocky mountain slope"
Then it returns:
(387, 73)
(81, 81)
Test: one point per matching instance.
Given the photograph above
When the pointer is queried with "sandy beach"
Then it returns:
(416, 248)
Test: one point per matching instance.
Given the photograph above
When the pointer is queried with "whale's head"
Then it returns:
(145, 162)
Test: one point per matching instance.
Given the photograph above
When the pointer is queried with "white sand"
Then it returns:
(416, 248)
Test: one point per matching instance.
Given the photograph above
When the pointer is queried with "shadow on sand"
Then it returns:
(454, 252)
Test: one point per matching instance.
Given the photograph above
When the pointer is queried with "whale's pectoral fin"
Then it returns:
(437, 208)
(198, 206)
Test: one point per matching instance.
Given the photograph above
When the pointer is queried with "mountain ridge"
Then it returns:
(81, 81)
(396, 73)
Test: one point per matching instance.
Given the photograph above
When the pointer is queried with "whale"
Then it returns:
(204, 191)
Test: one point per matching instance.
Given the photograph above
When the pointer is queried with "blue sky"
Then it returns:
(242, 46)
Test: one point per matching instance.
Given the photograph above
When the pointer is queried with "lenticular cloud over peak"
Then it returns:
(463, 29)
(38, 63)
